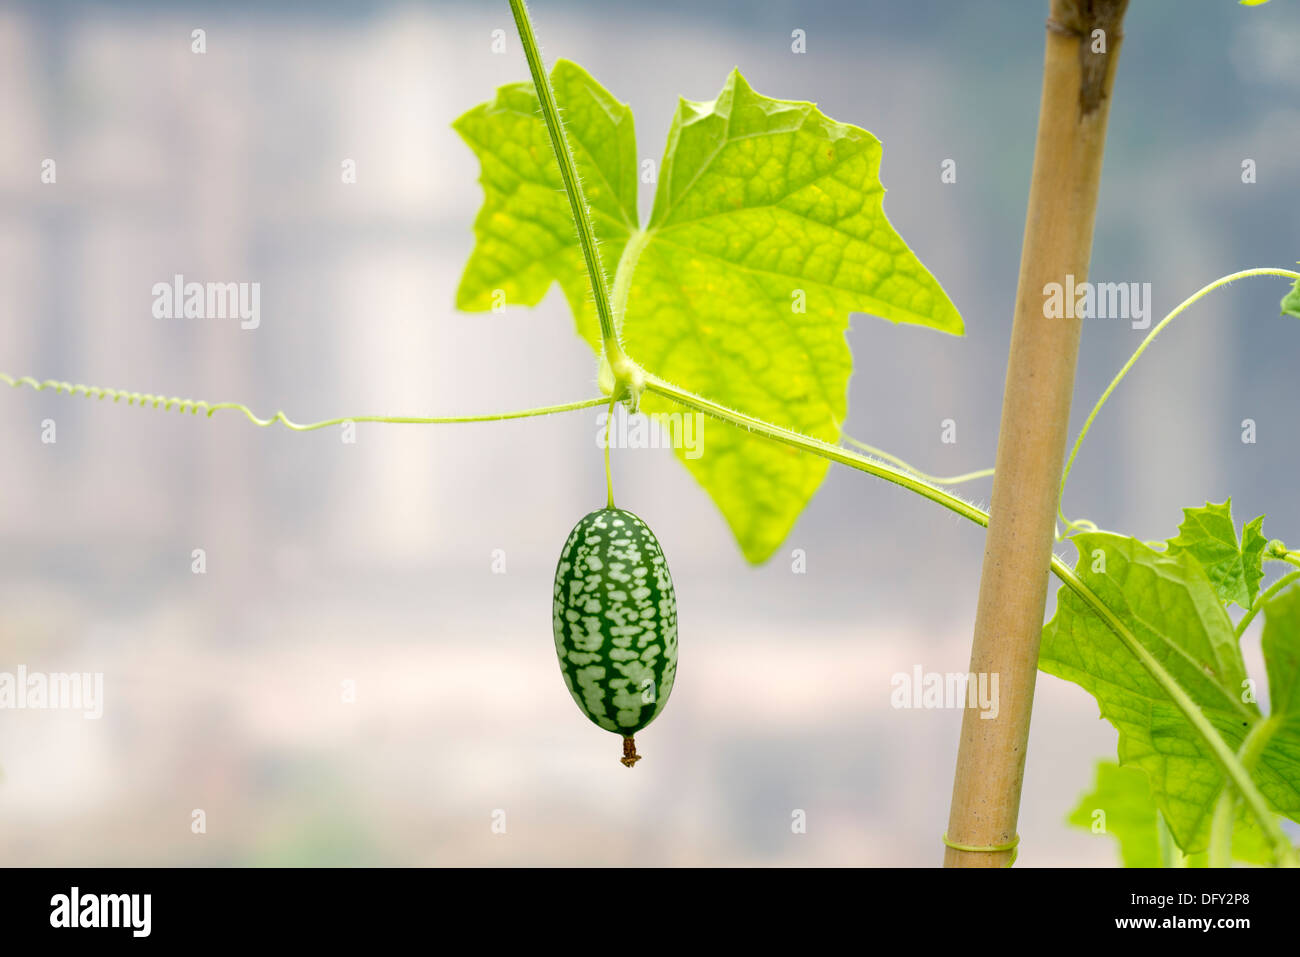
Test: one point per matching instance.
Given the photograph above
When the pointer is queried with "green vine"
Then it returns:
(1225, 809)
(193, 406)
(1084, 524)
(625, 374)
(932, 479)
(1258, 604)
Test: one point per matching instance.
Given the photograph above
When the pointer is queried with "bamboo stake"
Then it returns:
(1035, 419)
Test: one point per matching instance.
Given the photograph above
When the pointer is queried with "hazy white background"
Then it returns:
(372, 562)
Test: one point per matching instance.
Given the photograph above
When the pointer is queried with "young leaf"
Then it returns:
(1235, 567)
(1170, 605)
(1291, 303)
(767, 231)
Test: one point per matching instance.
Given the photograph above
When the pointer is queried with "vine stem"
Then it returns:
(1225, 809)
(932, 479)
(193, 406)
(1259, 602)
(626, 374)
(836, 453)
(609, 475)
(1082, 525)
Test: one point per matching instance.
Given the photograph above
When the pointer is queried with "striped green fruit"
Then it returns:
(616, 623)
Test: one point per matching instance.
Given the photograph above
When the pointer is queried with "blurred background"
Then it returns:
(372, 562)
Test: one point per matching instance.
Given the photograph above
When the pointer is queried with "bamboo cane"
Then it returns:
(1083, 39)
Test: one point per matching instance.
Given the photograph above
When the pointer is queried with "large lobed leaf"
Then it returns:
(767, 231)
(1171, 606)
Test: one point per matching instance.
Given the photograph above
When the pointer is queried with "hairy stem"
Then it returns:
(623, 374)
(623, 275)
(1225, 809)
(1257, 605)
(609, 474)
(932, 479)
(835, 453)
(193, 406)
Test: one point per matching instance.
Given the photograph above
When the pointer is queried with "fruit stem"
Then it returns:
(609, 475)
(630, 757)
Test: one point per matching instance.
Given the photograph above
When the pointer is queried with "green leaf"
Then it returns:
(1235, 567)
(1171, 607)
(767, 231)
(1291, 302)
(1123, 795)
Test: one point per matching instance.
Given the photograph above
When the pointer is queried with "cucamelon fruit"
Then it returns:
(616, 623)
